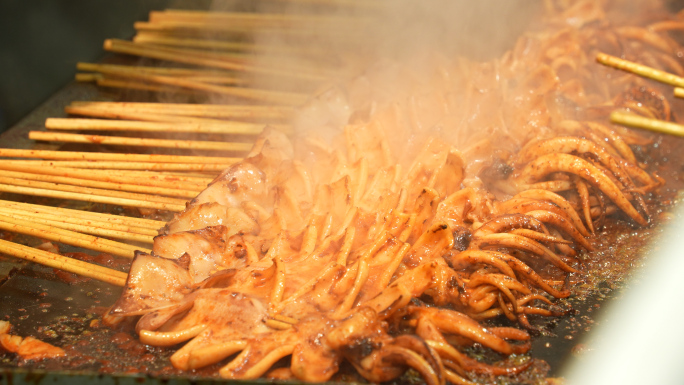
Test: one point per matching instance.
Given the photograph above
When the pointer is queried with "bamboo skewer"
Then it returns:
(661, 126)
(239, 58)
(169, 71)
(189, 194)
(133, 115)
(154, 52)
(141, 142)
(118, 157)
(143, 178)
(133, 176)
(86, 215)
(221, 18)
(679, 92)
(82, 228)
(199, 110)
(90, 198)
(87, 77)
(115, 82)
(221, 77)
(135, 85)
(57, 220)
(212, 169)
(182, 56)
(639, 69)
(293, 30)
(234, 128)
(57, 261)
(98, 184)
(91, 191)
(152, 38)
(260, 95)
(68, 237)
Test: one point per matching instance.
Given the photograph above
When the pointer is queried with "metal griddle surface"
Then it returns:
(34, 300)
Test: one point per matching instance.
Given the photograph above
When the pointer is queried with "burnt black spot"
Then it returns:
(462, 237)
(241, 253)
(497, 170)
(360, 348)
(233, 185)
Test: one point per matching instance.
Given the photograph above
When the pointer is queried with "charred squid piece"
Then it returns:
(583, 193)
(560, 222)
(154, 283)
(505, 286)
(550, 163)
(507, 265)
(572, 145)
(209, 249)
(525, 202)
(259, 355)
(648, 37)
(28, 348)
(519, 242)
(222, 321)
(508, 222)
(456, 361)
(363, 340)
(453, 322)
(241, 182)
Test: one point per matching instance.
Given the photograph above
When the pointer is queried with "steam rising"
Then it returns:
(375, 52)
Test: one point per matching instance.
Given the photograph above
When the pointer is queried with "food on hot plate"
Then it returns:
(464, 192)
(28, 348)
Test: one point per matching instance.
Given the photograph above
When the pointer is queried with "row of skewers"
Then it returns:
(192, 65)
(166, 182)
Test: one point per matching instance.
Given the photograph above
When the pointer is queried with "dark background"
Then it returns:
(41, 41)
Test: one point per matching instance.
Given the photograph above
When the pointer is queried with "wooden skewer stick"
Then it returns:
(182, 56)
(87, 78)
(234, 128)
(365, 4)
(81, 228)
(238, 58)
(86, 223)
(224, 76)
(222, 45)
(661, 126)
(294, 30)
(640, 69)
(90, 198)
(117, 157)
(135, 85)
(105, 81)
(91, 191)
(189, 182)
(170, 71)
(159, 191)
(261, 95)
(141, 142)
(60, 262)
(199, 110)
(113, 113)
(679, 92)
(143, 178)
(179, 15)
(86, 215)
(212, 169)
(68, 237)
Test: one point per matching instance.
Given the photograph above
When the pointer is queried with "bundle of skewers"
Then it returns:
(224, 66)
(194, 54)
